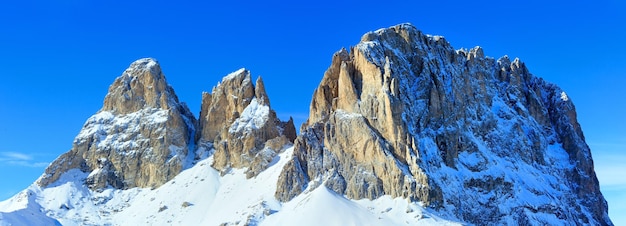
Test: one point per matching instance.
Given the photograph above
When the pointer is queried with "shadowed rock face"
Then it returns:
(140, 138)
(482, 140)
(237, 119)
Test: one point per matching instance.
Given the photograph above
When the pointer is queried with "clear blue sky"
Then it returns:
(57, 59)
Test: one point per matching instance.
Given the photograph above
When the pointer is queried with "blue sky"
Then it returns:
(57, 59)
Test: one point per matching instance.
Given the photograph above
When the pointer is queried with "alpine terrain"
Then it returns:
(403, 130)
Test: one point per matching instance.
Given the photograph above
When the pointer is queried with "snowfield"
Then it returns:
(201, 196)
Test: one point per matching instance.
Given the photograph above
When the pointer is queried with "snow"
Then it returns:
(253, 117)
(507, 160)
(233, 74)
(201, 196)
(312, 209)
(144, 64)
(151, 63)
(26, 215)
(105, 128)
(347, 115)
(437, 37)
(564, 96)
(210, 199)
(322, 206)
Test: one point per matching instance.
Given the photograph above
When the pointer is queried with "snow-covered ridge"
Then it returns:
(208, 199)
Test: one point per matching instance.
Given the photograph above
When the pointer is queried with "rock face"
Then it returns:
(237, 121)
(478, 139)
(142, 137)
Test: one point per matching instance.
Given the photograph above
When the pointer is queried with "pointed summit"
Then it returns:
(142, 85)
(259, 92)
(237, 121)
(140, 137)
(228, 99)
(145, 64)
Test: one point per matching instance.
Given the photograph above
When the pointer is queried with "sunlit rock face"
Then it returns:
(141, 137)
(478, 139)
(237, 121)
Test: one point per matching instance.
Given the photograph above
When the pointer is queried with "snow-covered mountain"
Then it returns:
(479, 140)
(403, 130)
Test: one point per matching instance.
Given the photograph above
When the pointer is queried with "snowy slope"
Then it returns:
(200, 196)
(325, 207)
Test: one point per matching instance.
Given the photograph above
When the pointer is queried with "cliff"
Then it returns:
(481, 140)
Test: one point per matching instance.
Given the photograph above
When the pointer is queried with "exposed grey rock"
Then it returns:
(404, 114)
(143, 136)
(140, 137)
(236, 117)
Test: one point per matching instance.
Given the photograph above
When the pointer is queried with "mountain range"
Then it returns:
(402, 130)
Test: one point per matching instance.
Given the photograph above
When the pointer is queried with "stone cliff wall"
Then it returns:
(406, 115)
(237, 119)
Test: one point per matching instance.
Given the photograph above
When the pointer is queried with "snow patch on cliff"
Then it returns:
(253, 117)
(100, 125)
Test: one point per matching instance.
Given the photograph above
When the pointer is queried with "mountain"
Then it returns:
(403, 129)
(237, 121)
(406, 115)
(141, 137)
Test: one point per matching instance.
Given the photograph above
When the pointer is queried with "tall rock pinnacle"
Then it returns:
(404, 114)
(140, 138)
(237, 120)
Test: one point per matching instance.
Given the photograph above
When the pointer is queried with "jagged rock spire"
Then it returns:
(225, 103)
(237, 120)
(259, 92)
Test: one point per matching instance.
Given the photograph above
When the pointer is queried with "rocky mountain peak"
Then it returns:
(237, 121)
(140, 138)
(224, 104)
(404, 114)
(145, 64)
(140, 86)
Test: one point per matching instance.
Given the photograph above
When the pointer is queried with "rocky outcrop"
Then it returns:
(142, 136)
(237, 120)
(404, 114)
(364, 147)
